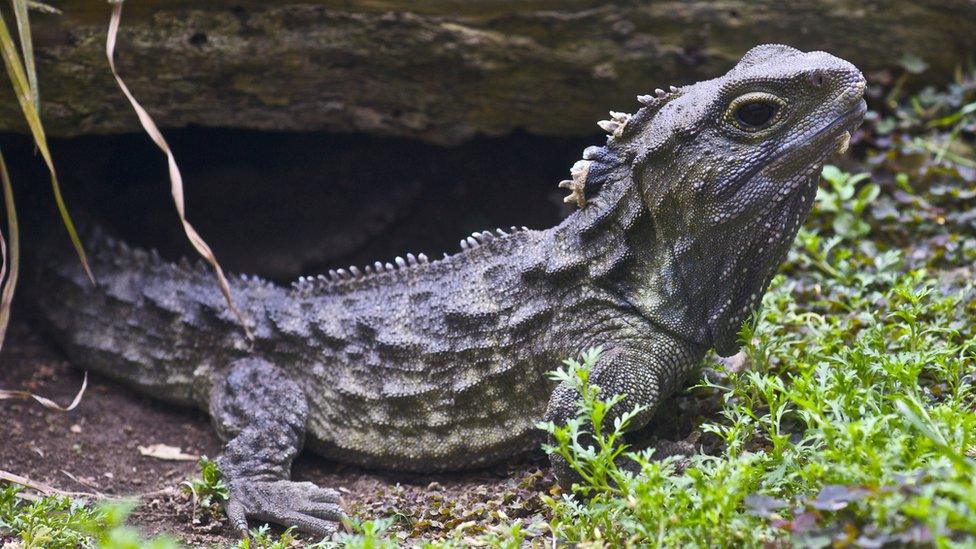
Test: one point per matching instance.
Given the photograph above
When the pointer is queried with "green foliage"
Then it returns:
(846, 203)
(261, 538)
(922, 152)
(112, 533)
(585, 442)
(512, 537)
(59, 523)
(853, 422)
(857, 422)
(209, 488)
(659, 506)
(369, 534)
(54, 522)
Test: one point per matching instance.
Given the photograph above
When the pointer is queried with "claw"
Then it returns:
(307, 507)
(325, 511)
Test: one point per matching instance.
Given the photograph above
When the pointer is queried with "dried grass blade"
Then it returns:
(176, 179)
(3, 272)
(27, 48)
(39, 486)
(8, 278)
(28, 483)
(44, 401)
(22, 90)
(43, 8)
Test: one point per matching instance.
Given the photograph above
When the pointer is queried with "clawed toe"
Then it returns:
(325, 495)
(327, 511)
(305, 506)
(311, 525)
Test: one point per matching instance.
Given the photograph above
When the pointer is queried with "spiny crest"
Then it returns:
(336, 277)
(254, 280)
(340, 276)
(659, 98)
(651, 105)
(621, 125)
(577, 185)
(616, 124)
(478, 238)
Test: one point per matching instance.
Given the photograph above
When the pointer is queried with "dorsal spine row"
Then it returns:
(617, 127)
(335, 277)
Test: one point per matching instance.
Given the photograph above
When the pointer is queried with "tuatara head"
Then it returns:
(728, 169)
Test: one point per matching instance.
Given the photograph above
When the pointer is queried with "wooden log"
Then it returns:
(441, 70)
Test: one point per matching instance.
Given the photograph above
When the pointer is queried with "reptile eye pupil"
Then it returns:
(756, 114)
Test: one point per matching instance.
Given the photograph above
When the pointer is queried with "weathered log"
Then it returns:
(441, 70)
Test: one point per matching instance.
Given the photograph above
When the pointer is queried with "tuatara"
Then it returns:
(418, 365)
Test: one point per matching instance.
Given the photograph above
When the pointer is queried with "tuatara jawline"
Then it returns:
(685, 215)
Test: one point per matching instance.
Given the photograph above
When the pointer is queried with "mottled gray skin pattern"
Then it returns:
(442, 365)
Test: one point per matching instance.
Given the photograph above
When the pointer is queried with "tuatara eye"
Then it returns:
(755, 114)
(755, 111)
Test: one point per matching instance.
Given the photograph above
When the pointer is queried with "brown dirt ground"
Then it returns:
(95, 449)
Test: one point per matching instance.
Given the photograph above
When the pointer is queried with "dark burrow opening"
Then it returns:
(282, 205)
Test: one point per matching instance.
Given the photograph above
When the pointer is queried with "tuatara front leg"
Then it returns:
(644, 370)
(262, 415)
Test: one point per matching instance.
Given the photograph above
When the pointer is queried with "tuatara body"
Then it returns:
(418, 365)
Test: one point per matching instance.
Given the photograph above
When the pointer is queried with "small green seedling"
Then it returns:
(208, 490)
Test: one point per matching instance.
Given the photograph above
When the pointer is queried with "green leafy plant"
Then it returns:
(54, 522)
(845, 202)
(853, 421)
(113, 533)
(261, 538)
(208, 489)
(367, 534)
(588, 444)
(49, 522)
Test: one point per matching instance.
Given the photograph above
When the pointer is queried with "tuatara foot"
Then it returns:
(305, 506)
(263, 414)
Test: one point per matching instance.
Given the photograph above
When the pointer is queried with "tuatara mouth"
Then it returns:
(837, 133)
(854, 117)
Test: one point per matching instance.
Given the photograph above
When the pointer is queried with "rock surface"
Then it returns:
(440, 70)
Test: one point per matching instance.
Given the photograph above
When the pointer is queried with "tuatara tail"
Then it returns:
(145, 321)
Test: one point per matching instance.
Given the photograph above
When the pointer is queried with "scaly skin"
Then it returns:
(686, 214)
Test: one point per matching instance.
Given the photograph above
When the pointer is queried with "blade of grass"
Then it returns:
(912, 411)
(27, 48)
(8, 277)
(176, 179)
(22, 90)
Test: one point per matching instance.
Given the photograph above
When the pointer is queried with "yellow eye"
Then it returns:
(754, 111)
